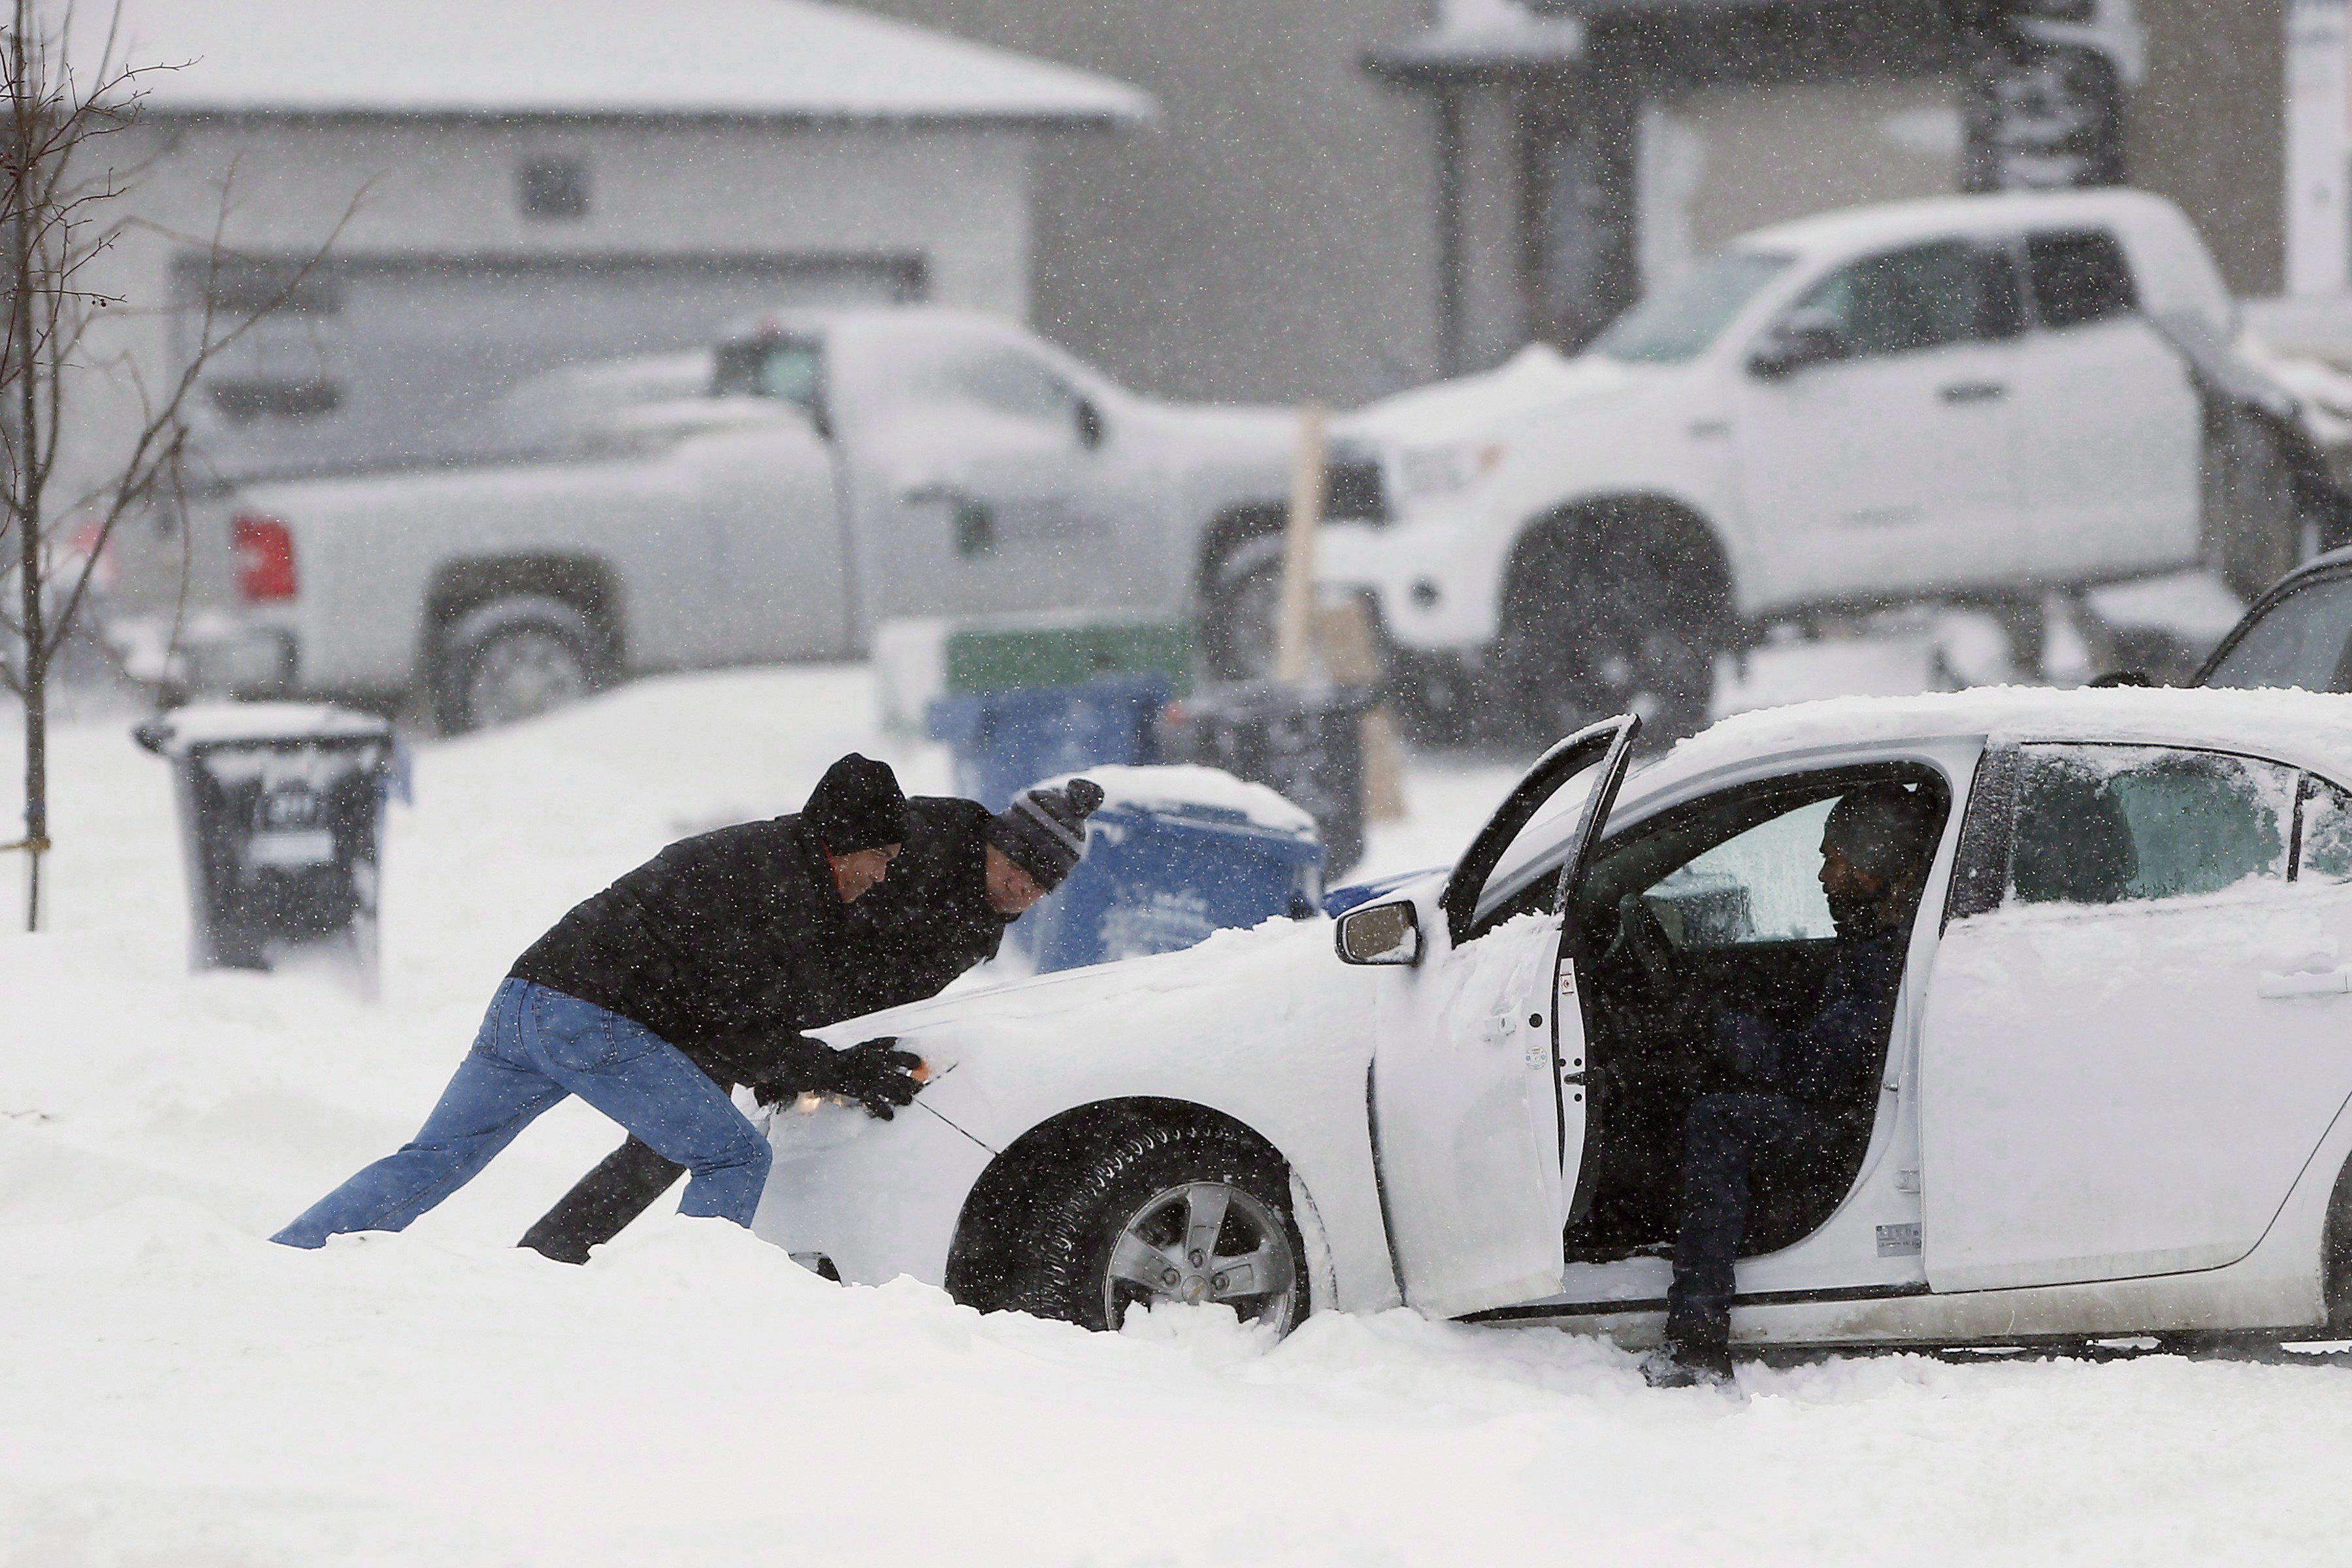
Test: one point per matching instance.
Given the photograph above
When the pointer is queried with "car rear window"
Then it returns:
(2079, 278)
(2107, 825)
(2304, 640)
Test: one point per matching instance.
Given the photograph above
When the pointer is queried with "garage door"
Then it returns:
(369, 360)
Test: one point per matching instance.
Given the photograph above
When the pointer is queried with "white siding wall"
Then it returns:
(957, 197)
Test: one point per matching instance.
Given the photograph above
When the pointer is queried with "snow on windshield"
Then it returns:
(1675, 325)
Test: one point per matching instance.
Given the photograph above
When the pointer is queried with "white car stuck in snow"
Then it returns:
(2110, 1100)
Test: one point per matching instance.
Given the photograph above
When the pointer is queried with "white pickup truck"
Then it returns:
(817, 473)
(1975, 399)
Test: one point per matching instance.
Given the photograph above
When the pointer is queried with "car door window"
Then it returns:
(1922, 298)
(1764, 885)
(2107, 825)
(2322, 833)
(2304, 640)
(2079, 278)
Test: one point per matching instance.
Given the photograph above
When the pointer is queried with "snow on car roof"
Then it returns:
(2310, 729)
(795, 58)
(1937, 216)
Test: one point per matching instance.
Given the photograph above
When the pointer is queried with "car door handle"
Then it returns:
(1974, 392)
(2305, 982)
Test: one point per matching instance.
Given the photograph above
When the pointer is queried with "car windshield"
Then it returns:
(2304, 640)
(1675, 325)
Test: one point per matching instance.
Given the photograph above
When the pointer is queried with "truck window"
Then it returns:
(1675, 325)
(1005, 382)
(1921, 297)
(791, 370)
(2079, 278)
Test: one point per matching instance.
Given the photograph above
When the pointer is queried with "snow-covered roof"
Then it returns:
(768, 58)
(1476, 37)
(2306, 729)
(1937, 216)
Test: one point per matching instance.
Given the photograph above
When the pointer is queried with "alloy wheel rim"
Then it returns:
(523, 675)
(1200, 1242)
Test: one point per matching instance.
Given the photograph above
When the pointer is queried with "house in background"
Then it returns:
(1589, 149)
(1343, 199)
(510, 187)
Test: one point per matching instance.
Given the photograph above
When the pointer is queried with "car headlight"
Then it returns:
(1430, 473)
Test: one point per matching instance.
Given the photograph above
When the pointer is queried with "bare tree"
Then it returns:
(65, 184)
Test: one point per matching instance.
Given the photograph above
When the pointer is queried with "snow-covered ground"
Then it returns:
(176, 1391)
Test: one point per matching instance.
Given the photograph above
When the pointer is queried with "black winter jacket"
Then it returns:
(1834, 1060)
(929, 920)
(718, 944)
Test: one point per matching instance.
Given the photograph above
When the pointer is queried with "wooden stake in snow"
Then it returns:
(1299, 548)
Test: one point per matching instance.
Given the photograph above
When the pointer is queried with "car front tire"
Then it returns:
(1146, 1212)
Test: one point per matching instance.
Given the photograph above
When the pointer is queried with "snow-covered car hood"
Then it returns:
(1536, 380)
(1259, 1011)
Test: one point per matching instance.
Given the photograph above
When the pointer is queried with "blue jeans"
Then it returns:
(535, 1047)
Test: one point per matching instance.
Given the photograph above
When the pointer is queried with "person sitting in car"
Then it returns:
(1793, 1090)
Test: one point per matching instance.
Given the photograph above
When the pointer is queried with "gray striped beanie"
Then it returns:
(1044, 831)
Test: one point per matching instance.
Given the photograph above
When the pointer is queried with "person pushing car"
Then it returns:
(721, 948)
(961, 878)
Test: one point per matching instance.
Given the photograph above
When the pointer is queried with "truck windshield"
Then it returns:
(791, 370)
(2304, 640)
(1675, 325)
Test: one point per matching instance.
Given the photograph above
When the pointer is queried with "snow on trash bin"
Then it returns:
(281, 814)
(1173, 855)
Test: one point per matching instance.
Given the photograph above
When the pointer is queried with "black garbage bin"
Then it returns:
(281, 810)
(1305, 743)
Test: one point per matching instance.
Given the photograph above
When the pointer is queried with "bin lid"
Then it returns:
(181, 731)
(1176, 788)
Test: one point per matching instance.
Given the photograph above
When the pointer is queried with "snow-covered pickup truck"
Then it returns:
(833, 468)
(1981, 399)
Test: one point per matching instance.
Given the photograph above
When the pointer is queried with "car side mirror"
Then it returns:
(1804, 338)
(1380, 934)
(1091, 430)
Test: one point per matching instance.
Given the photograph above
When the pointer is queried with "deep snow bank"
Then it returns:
(176, 1391)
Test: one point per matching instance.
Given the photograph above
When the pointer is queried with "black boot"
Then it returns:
(1682, 1365)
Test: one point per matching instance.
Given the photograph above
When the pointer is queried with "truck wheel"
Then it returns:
(1622, 630)
(513, 658)
(1148, 1212)
(1241, 607)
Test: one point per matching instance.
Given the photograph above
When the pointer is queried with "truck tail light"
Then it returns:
(265, 558)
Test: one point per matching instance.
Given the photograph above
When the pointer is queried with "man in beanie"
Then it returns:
(1798, 1093)
(962, 876)
(716, 946)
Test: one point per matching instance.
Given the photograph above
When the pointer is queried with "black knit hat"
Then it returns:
(856, 806)
(1044, 831)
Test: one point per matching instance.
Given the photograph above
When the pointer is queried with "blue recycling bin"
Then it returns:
(1163, 877)
(1004, 742)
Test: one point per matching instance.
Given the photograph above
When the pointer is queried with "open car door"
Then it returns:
(1478, 1068)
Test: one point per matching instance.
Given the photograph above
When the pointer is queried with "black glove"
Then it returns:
(874, 1073)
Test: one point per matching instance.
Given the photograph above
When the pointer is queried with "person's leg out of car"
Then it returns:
(1725, 1138)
